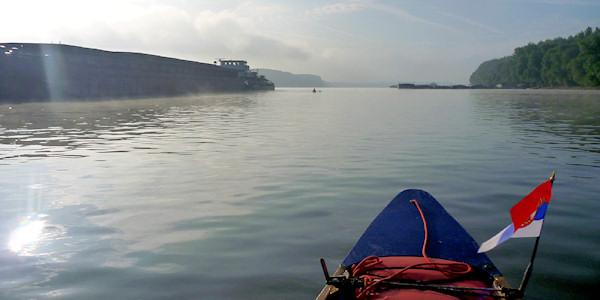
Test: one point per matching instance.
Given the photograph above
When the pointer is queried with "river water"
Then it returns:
(237, 196)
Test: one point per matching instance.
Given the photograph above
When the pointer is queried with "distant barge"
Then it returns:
(43, 72)
(412, 86)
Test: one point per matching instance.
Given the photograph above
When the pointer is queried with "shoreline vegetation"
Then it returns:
(433, 86)
(572, 63)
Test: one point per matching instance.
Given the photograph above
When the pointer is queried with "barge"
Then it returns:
(54, 72)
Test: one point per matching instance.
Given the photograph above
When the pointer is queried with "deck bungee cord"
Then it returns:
(370, 281)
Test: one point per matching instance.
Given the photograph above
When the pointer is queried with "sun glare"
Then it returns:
(27, 235)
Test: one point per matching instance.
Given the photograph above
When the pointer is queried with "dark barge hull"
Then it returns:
(43, 72)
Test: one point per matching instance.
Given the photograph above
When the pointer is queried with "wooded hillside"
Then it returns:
(568, 62)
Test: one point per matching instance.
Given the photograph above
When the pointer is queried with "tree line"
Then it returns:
(561, 62)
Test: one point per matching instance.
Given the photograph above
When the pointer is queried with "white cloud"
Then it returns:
(473, 23)
(408, 17)
(227, 34)
(337, 8)
(157, 27)
(562, 2)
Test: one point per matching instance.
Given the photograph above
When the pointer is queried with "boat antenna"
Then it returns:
(529, 269)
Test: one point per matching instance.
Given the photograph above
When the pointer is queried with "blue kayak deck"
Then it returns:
(398, 231)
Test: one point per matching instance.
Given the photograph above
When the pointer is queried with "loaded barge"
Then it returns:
(44, 72)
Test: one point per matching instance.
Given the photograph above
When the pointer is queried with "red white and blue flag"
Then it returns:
(527, 217)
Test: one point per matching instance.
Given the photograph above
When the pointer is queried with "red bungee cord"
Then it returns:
(368, 262)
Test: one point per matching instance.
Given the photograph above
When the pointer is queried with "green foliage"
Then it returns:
(574, 61)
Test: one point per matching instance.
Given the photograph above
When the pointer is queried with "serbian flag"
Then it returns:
(527, 217)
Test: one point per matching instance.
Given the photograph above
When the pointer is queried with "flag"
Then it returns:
(527, 217)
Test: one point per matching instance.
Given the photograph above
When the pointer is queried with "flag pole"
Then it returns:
(529, 269)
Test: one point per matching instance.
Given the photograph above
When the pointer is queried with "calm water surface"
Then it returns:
(237, 196)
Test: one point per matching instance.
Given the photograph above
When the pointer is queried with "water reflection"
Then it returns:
(79, 129)
(68, 129)
(552, 120)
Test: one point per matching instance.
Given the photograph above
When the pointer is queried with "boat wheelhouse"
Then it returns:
(241, 66)
(253, 81)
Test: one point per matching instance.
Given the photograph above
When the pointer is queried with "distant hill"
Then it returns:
(287, 79)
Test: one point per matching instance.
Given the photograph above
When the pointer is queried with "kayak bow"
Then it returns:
(415, 249)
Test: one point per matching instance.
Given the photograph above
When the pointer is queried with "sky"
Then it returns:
(420, 41)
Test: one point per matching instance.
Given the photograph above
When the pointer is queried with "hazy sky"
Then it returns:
(354, 40)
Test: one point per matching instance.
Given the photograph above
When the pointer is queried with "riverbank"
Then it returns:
(482, 87)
